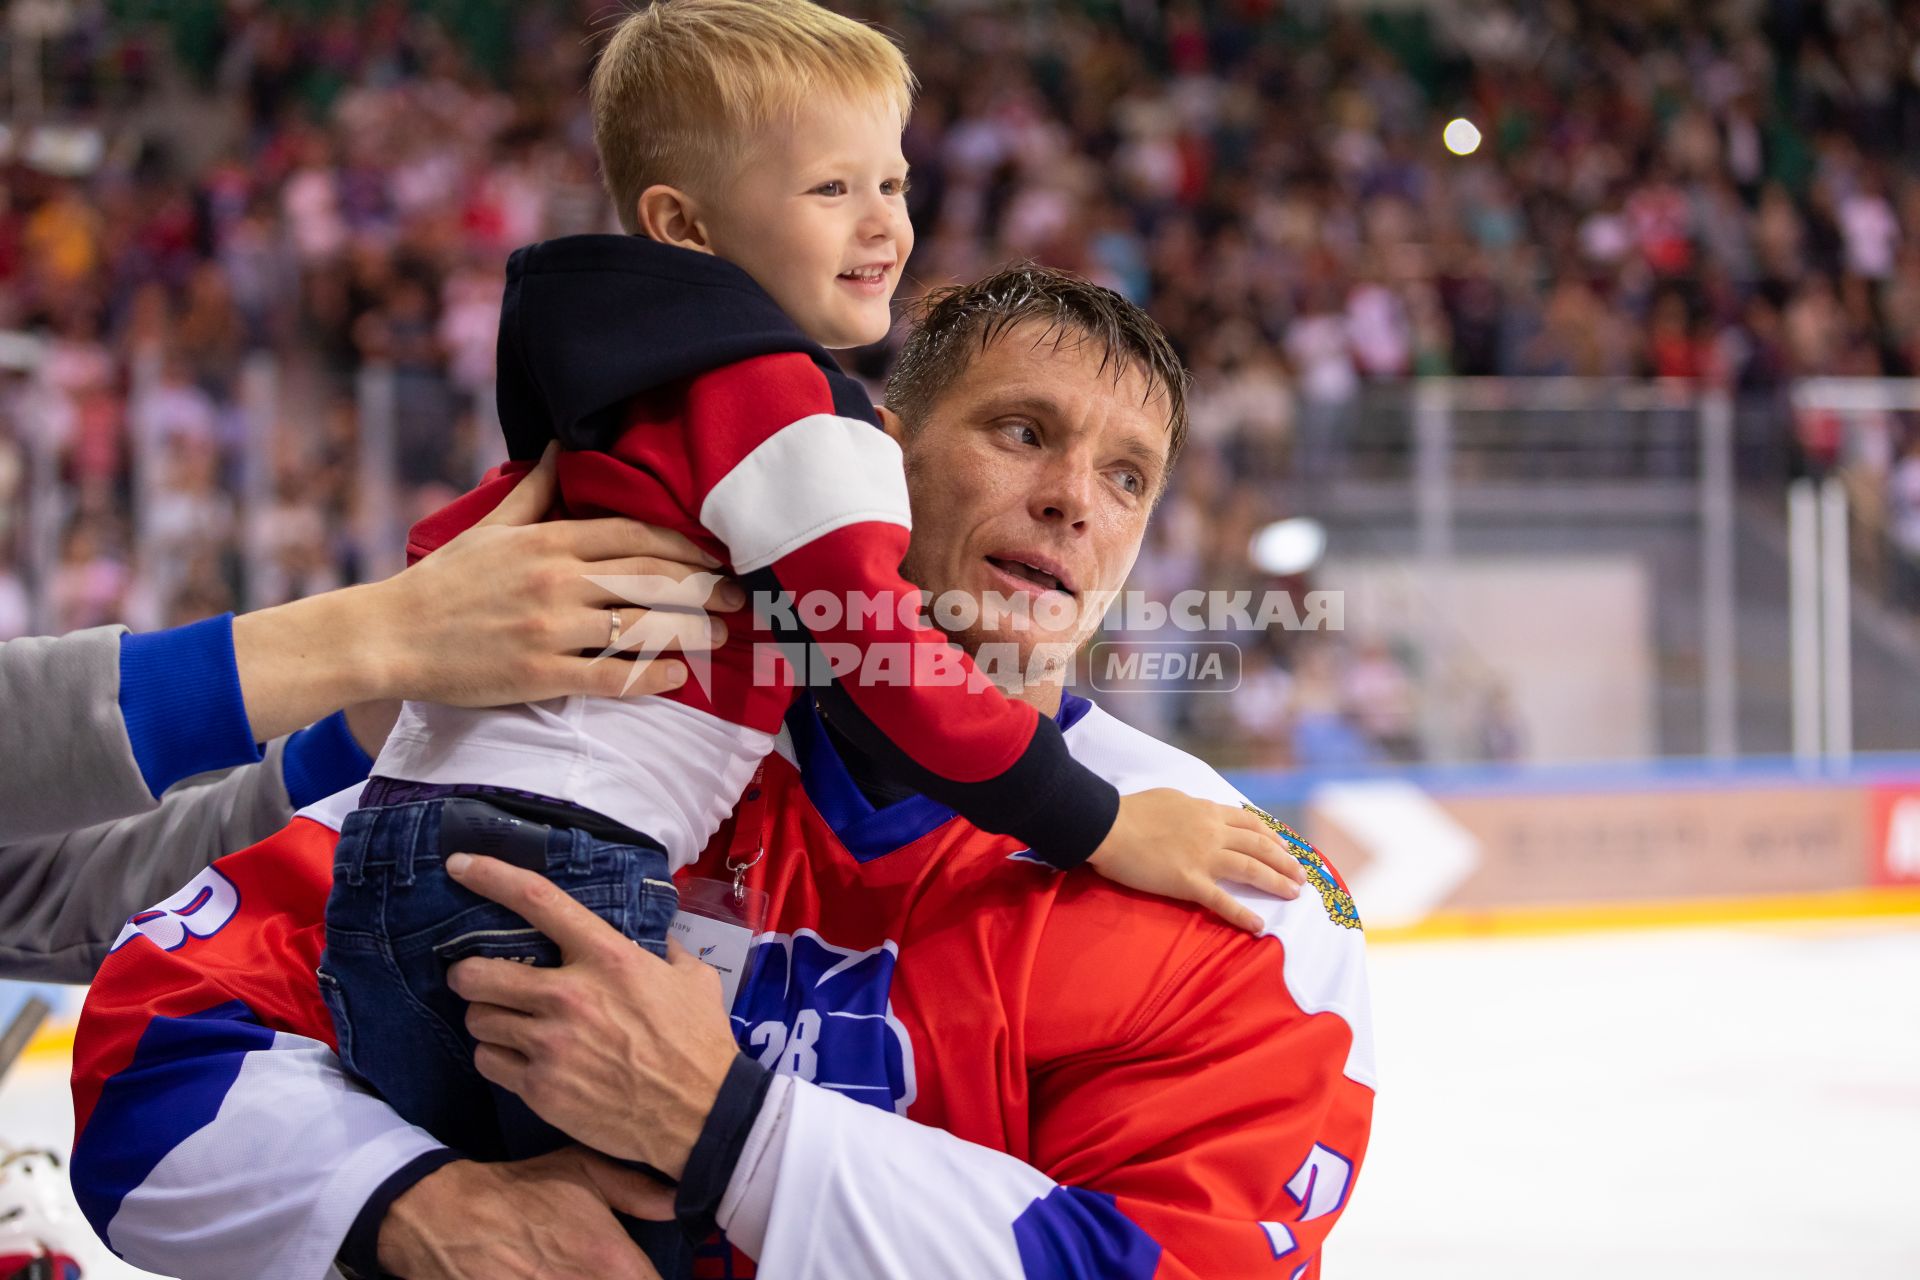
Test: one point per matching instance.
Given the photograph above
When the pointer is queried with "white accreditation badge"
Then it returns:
(718, 930)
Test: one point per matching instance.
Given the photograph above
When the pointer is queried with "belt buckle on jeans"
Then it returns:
(468, 825)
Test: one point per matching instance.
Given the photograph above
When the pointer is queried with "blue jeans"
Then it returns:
(396, 921)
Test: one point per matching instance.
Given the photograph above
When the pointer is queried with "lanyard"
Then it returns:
(749, 843)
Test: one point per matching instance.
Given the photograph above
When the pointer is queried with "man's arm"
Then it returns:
(1201, 1109)
(216, 1134)
(1221, 1137)
(93, 727)
(98, 725)
(219, 1137)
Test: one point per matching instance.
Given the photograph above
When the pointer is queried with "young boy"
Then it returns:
(753, 149)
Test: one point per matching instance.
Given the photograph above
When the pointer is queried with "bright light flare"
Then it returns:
(1287, 547)
(1461, 136)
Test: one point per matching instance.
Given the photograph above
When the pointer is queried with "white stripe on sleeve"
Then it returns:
(864, 1194)
(748, 1204)
(813, 476)
(272, 1185)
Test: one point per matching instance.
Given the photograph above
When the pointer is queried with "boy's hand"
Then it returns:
(1170, 843)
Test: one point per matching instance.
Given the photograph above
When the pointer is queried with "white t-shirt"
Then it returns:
(1872, 235)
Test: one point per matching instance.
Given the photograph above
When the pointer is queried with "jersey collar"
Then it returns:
(867, 832)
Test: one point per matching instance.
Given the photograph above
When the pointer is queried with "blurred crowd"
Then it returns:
(262, 226)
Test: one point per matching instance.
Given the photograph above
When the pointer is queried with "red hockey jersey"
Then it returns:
(1000, 1071)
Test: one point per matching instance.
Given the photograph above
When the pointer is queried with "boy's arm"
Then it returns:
(793, 475)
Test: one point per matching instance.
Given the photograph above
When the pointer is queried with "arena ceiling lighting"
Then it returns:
(1461, 136)
(1288, 547)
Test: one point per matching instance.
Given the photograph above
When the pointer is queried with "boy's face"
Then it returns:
(818, 216)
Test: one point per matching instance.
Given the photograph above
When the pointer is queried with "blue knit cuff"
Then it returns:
(180, 696)
(360, 1251)
(321, 759)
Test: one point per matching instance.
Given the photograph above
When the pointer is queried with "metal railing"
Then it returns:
(1752, 634)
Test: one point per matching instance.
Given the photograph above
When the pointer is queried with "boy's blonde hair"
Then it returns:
(683, 84)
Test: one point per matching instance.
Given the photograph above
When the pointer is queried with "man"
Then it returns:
(1062, 1078)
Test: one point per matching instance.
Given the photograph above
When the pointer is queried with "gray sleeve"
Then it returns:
(65, 758)
(63, 898)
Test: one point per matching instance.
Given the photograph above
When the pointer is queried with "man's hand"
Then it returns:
(623, 1051)
(524, 1220)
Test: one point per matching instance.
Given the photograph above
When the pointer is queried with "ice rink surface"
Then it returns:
(1677, 1104)
(1732, 1102)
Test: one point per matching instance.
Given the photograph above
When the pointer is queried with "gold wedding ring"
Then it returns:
(613, 628)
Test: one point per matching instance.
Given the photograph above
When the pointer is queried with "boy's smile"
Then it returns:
(818, 216)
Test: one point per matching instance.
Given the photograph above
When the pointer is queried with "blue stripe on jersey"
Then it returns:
(1074, 1232)
(1073, 708)
(321, 759)
(180, 1074)
(866, 832)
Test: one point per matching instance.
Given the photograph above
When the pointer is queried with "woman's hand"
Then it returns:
(506, 612)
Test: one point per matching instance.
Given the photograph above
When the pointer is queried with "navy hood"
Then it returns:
(590, 322)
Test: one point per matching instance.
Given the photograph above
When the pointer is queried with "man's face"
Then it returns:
(1033, 475)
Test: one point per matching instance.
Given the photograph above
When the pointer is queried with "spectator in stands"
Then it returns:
(1697, 191)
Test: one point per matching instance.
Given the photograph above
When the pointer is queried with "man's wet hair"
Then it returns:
(954, 324)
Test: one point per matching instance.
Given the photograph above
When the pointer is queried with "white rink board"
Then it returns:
(1665, 1105)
